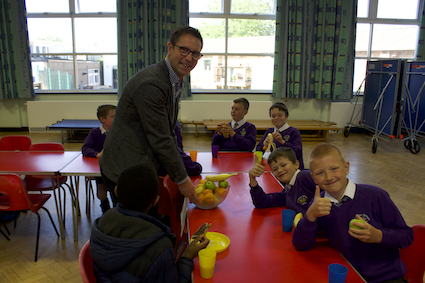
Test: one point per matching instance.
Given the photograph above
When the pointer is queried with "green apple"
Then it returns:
(223, 184)
(210, 185)
(355, 220)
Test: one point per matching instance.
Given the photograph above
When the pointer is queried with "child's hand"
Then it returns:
(256, 171)
(99, 154)
(277, 136)
(320, 207)
(219, 129)
(198, 244)
(367, 233)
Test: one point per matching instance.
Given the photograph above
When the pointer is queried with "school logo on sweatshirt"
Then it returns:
(302, 200)
(286, 137)
(243, 132)
(364, 217)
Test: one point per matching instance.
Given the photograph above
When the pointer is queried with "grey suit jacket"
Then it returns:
(143, 126)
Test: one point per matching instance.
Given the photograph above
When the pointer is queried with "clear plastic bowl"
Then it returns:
(218, 198)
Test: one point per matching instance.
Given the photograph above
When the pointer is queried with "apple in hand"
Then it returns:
(355, 220)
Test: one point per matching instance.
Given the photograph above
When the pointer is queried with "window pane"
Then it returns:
(47, 6)
(362, 8)
(97, 71)
(251, 36)
(209, 73)
(95, 6)
(212, 31)
(52, 35)
(205, 6)
(250, 72)
(96, 35)
(253, 7)
(362, 39)
(396, 9)
(394, 41)
(359, 74)
(52, 72)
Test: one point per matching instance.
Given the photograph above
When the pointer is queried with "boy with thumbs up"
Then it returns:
(373, 246)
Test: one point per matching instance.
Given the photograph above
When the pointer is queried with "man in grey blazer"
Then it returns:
(143, 126)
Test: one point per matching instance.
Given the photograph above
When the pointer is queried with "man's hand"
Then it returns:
(277, 136)
(256, 171)
(367, 233)
(188, 190)
(320, 206)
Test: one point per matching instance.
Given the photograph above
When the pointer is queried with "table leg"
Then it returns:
(75, 205)
(326, 135)
(58, 209)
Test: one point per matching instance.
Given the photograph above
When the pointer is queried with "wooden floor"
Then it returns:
(392, 168)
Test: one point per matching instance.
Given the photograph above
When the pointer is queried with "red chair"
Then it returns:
(86, 264)
(171, 203)
(414, 256)
(44, 183)
(15, 142)
(15, 197)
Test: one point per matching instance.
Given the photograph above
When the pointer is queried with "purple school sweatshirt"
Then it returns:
(244, 139)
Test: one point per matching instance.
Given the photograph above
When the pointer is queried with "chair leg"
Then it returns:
(38, 236)
(1, 231)
(51, 219)
(5, 227)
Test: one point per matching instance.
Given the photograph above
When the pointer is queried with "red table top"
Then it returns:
(35, 163)
(82, 166)
(227, 162)
(259, 250)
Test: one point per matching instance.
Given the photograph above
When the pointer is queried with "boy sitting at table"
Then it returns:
(237, 135)
(370, 245)
(299, 189)
(127, 245)
(283, 134)
(93, 147)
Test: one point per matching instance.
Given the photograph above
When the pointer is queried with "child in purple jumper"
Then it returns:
(299, 188)
(238, 135)
(372, 247)
(283, 134)
(93, 147)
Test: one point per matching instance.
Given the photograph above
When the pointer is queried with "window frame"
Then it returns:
(226, 15)
(74, 55)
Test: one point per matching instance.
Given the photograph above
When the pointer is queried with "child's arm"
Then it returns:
(247, 142)
(89, 145)
(256, 171)
(260, 144)
(197, 244)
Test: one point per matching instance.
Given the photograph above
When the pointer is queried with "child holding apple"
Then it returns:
(283, 134)
(370, 245)
(238, 135)
(299, 188)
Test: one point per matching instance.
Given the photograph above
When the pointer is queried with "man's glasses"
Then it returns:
(184, 51)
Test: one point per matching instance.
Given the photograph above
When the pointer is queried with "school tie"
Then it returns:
(236, 125)
(344, 198)
(287, 188)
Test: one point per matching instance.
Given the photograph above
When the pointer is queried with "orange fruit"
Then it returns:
(207, 191)
(209, 198)
(202, 181)
(201, 197)
(220, 191)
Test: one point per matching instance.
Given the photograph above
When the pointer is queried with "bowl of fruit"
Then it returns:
(212, 190)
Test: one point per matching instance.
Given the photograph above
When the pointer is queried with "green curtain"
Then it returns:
(420, 50)
(15, 72)
(314, 50)
(144, 27)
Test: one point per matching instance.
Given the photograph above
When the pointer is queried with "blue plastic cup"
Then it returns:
(287, 219)
(337, 273)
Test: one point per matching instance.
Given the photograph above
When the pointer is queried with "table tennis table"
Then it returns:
(72, 127)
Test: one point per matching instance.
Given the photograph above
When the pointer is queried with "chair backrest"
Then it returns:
(414, 256)
(86, 264)
(15, 142)
(47, 146)
(171, 203)
(12, 187)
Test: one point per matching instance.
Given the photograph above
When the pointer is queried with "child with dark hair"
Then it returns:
(127, 245)
(93, 147)
(283, 134)
(299, 186)
(237, 135)
(372, 244)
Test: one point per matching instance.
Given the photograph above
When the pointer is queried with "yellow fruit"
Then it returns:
(201, 197)
(220, 191)
(208, 191)
(209, 198)
(199, 189)
(219, 177)
(202, 181)
(297, 219)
